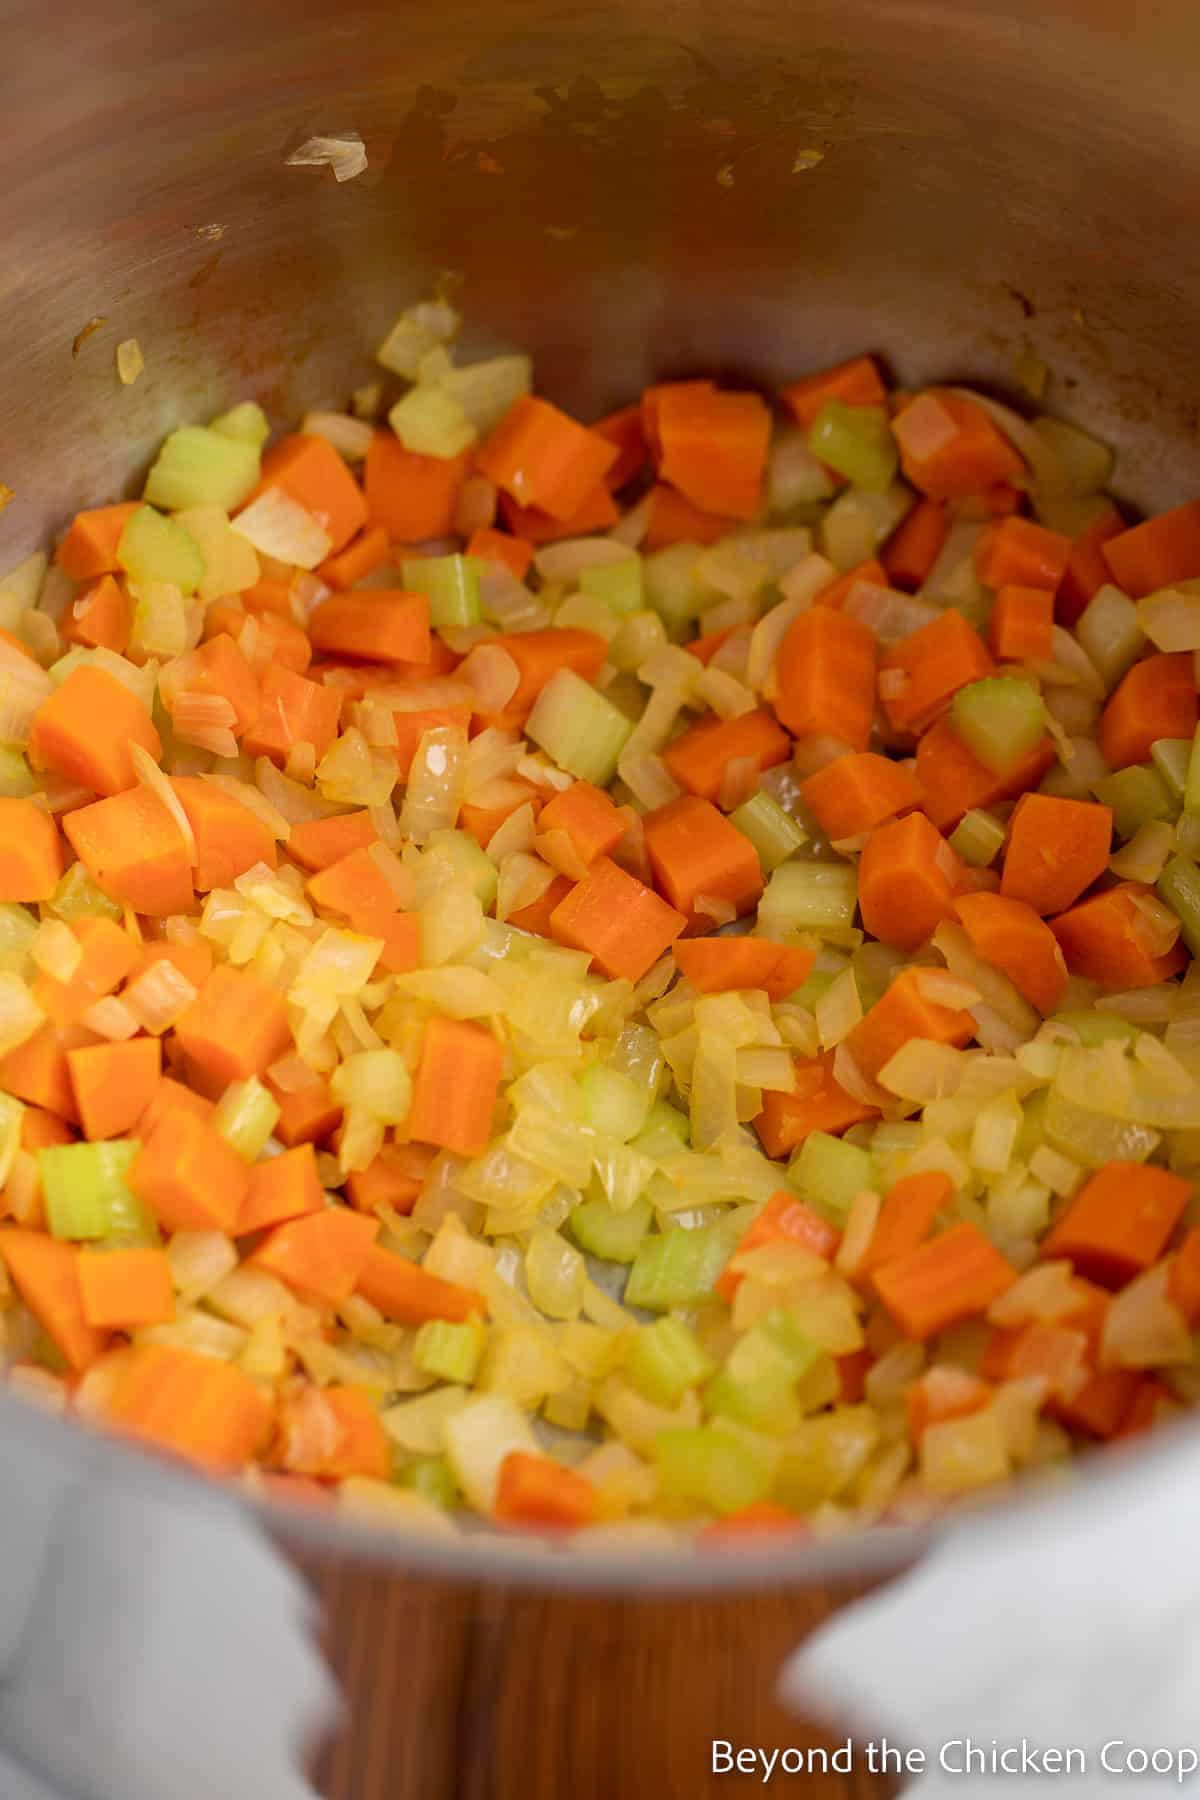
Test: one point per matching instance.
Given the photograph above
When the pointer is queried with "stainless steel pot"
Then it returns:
(629, 191)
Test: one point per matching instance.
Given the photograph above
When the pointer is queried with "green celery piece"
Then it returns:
(808, 897)
(857, 442)
(829, 1172)
(1097, 1027)
(246, 421)
(201, 467)
(816, 983)
(764, 1402)
(978, 837)
(671, 585)
(773, 832)
(1179, 888)
(428, 1475)
(77, 897)
(613, 1103)
(666, 1360)
(755, 1386)
(1137, 795)
(245, 1116)
(154, 548)
(665, 1132)
(430, 422)
(718, 1472)
(1000, 719)
(859, 521)
(17, 780)
(449, 1351)
(1095, 1138)
(576, 725)
(451, 584)
(86, 1194)
(1172, 758)
(1191, 792)
(612, 1236)
(678, 1267)
(618, 584)
(468, 860)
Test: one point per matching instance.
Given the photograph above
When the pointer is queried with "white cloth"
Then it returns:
(152, 1641)
(1069, 1622)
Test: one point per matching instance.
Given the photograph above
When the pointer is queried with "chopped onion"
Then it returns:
(56, 950)
(739, 782)
(110, 1018)
(279, 526)
(1045, 464)
(351, 438)
(159, 996)
(648, 779)
(1142, 1328)
(152, 777)
(346, 156)
(890, 615)
(631, 529)
(728, 698)
(567, 560)
(838, 1009)
(523, 880)
(435, 783)
(492, 675)
(256, 801)
(513, 834)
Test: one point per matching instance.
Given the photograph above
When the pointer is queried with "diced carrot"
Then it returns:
(1151, 1405)
(1042, 1348)
(122, 1289)
(489, 545)
(711, 446)
(84, 730)
(838, 591)
(943, 1280)
(46, 1275)
(538, 914)
(400, 934)
(941, 1393)
(1156, 699)
(235, 1028)
(907, 879)
(825, 678)
(1119, 1222)
(542, 458)
(168, 1098)
(1020, 552)
(31, 856)
(333, 1433)
(1155, 554)
(818, 1102)
(311, 472)
(1101, 1406)
(537, 1491)
(134, 851)
(193, 959)
(588, 816)
(320, 1256)
(706, 647)
(673, 519)
(1104, 939)
(949, 446)
(953, 781)
(906, 1218)
(37, 1072)
(351, 886)
(901, 1013)
(783, 1220)
(1021, 623)
(383, 625)
(856, 793)
(114, 1084)
(763, 1518)
(281, 1188)
(596, 512)
(318, 843)
(919, 676)
(624, 429)
(89, 547)
(218, 667)
(541, 654)
(1183, 1283)
(367, 551)
(268, 596)
(455, 1086)
(266, 640)
(697, 855)
(1086, 571)
(189, 1177)
(409, 1294)
(307, 1114)
(393, 1179)
(699, 758)
(109, 955)
(856, 382)
(412, 497)
(649, 405)
(504, 800)
(714, 965)
(915, 546)
(189, 1404)
(412, 726)
(41, 1130)
(100, 618)
(1056, 849)
(294, 711)
(229, 837)
(853, 1369)
(1010, 934)
(624, 925)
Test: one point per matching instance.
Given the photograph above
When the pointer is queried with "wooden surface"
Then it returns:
(466, 1693)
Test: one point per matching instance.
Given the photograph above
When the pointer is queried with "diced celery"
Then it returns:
(1097, 1027)
(485, 390)
(1137, 795)
(857, 442)
(761, 1368)
(201, 467)
(612, 1236)
(859, 521)
(764, 1402)
(86, 1194)
(1172, 758)
(978, 838)
(830, 1172)
(1191, 791)
(773, 832)
(667, 1359)
(574, 723)
(818, 981)
(1000, 719)
(452, 584)
(678, 1267)
(469, 861)
(245, 1116)
(707, 1467)
(809, 897)
(451, 1352)
(825, 1455)
(431, 422)
(666, 1128)
(17, 781)
(77, 897)
(431, 1476)
(613, 1103)
(618, 584)
(1111, 633)
(154, 548)
(246, 421)
(1179, 888)
(671, 585)
(18, 928)
(1095, 1138)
